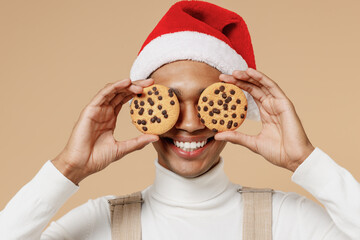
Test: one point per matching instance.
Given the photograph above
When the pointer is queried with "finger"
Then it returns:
(269, 84)
(109, 91)
(126, 99)
(135, 89)
(123, 101)
(118, 98)
(242, 75)
(144, 82)
(138, 86)
(126, 147)
(237, 138)
(253, 89)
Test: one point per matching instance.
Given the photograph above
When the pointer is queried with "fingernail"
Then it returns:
(218, 137)
(155, 139)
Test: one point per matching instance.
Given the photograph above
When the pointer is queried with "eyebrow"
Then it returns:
(178, 92)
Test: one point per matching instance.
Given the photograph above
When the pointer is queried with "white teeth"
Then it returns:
(189, 146)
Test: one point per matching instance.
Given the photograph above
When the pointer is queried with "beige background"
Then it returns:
(55, 55)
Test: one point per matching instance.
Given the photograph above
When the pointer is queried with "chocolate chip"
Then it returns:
(143, 122)
(220, 102)
(227, 100)
(131, 111)
(160, 97)
(159, 107)
(150, 101)
(242, 115)
(141, 111)
(214, 121)
(136, 106)
(225, 115)
(153, 119)
(235, 124)
(156, 92)
(233, 107)
(245, 108)
(172, 102)
(211, 103)
(232, 92)
(163, 112)
(217, 91)
(238, 101)
(222, 88)
(225, 106)
(166, 116)
(215, 110)
(144, 128)
(205, 108)
(229, 124)
(150, 111)
(171, 93)
(139, 95)
(211, 113)
(135, 101)
(149, 92)
(214, 130)
(158, 120)
(198, 115)
(142, 103)
(233, 115)
(139, 121)
(222, 122)
(204, 99)
(224, 95)
(198, 108)
(202, 120)
(154, 88)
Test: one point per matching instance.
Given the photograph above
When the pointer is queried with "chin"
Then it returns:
(188, 158)
(190, 170)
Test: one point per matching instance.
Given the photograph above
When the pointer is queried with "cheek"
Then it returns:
(158, 145)
(219, 146)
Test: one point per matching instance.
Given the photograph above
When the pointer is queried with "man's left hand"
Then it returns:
(282, 140)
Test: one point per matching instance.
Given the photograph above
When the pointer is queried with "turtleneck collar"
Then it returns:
(176, 188)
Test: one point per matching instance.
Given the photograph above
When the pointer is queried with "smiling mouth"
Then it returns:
(189, 146)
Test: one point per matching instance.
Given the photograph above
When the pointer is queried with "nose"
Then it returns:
(188, 118)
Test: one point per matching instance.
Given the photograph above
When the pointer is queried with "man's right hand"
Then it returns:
(92, 146)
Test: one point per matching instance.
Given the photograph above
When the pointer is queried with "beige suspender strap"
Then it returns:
(257, 213)
(126, 217)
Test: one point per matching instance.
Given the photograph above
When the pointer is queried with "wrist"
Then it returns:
(72, 173)
(296, 163)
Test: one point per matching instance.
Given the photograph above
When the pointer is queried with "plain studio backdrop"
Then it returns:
(56, 55)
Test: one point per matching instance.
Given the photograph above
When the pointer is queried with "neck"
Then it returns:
(190, 190)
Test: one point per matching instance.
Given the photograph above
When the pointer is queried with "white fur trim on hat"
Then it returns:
(189, 45)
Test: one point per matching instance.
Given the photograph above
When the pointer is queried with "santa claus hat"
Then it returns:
(199, 31)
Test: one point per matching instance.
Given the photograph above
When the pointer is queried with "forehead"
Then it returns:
(187, 78)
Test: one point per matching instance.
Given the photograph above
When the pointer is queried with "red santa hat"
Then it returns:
(198, 31)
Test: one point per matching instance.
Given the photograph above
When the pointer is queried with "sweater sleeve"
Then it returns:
(30, 210)
(335, 188)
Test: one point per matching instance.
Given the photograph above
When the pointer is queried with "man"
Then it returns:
(194, 45)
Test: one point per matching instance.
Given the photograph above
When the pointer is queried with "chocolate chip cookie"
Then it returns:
(222, 107)
(156, 110)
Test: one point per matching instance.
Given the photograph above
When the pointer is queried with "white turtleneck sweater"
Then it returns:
(207, 207)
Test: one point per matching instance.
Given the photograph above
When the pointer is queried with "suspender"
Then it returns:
(125, 217)
(257, 215)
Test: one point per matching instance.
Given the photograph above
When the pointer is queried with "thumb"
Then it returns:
(237, 138)
(128, 146)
